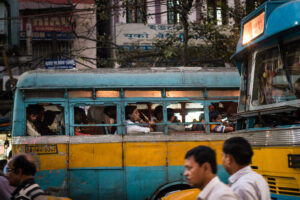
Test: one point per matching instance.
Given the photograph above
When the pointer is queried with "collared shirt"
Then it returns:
(28, 190)
(136, 128)
(216, 190)
(249, 185)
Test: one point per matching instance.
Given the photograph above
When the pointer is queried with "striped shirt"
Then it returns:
(28, 190)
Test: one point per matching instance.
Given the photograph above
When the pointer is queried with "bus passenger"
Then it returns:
(110, 118)
(211, 108)
(158, 114)
(133, 116)
(199, 127)
(80, 118)
(201, 172)
(172, 118)
(216, 117)
(297, 88)
(244, 182)
(44, 121)
(33, 111)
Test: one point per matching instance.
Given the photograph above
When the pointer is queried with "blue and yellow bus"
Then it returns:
(75, 123)
(268, 60)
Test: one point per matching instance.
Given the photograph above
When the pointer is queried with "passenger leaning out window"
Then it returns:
(32, 114)
(133, 116)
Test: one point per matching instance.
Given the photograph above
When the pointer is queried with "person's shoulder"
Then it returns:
(250, 177)
(32, 190)
(223, 192)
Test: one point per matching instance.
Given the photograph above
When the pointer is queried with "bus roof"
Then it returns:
(280, 16)
(131, 78)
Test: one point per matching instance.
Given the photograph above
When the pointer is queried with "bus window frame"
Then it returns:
(78, 103)
(210, 102)
(184, 100)
(253, 67)
(157, 100)
(63, 104)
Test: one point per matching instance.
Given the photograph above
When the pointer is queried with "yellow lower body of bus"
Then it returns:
(136, 170)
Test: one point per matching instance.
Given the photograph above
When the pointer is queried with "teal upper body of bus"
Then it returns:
(268, 59)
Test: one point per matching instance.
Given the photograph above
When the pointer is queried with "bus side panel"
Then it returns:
(84, 184)
(93, 184)
(112, 185)
(51, 160)
(176, 154)
(282, 179)
(96, 171)
(145, 168)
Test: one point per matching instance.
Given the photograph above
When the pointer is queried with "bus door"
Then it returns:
(96, 161)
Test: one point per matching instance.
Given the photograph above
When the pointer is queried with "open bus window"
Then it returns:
(280, 119)
(88, 115)
(224, 113)
(273, 81)
(44, 119)
(144, 118)
(185, 116)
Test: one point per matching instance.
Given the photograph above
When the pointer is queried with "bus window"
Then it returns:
(223, 93)
(223, 113)
(184, 93)
(142, 93)
(59, 93)
(185, 116)
(144, 118)
(80, 94)
(280, 119)
(195, 113)
(107, 93)
(274, 82)
(44, 119)
(89, 93)
(88, 115)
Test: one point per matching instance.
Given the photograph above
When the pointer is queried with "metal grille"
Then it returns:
(283, 185)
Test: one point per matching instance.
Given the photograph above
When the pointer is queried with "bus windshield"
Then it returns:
(277, 76)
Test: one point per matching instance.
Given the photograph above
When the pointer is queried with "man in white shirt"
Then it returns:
(245, 183)
(200, 171)
(132, 116)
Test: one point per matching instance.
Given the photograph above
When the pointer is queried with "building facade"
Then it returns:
(144, 22)
(58, 33)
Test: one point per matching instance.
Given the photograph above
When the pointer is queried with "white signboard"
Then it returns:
(145, 35)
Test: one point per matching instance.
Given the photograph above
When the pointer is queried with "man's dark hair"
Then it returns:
(204, 154)
(111, 111)
(35, 109)
(157, 110)
(21, 162)
(170, 113)
(129, 110)
(240, 149)
(213, 115)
